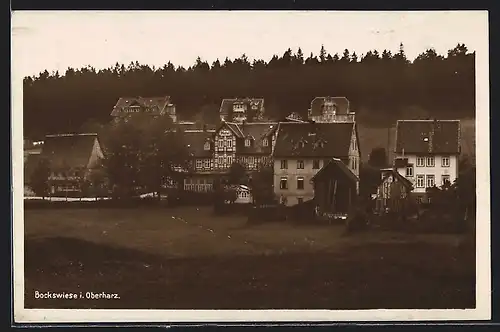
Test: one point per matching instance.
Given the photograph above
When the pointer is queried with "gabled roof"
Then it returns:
(195, 142)
(226, 106)
(68, 150)
(317, 103)
(257, 131)
(335, 163)
(428, 136)
(155, 105)
(392, 172)
(336, 137)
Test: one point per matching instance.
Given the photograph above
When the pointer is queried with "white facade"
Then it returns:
(426, 170)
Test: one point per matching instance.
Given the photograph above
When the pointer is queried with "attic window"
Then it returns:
(247, 142)
(265, 142)
(207, 146)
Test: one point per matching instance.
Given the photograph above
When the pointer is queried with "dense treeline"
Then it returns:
(384, 83)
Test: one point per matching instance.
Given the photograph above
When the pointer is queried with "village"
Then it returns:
(311, 164)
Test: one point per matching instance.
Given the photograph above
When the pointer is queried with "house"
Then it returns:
(238, 110)
(335, 188)
(303, 148)
(244, 195)
(330, 109)
(72, 158)
(214, 151)
(393, 192)
(154, 106)
(427, 152)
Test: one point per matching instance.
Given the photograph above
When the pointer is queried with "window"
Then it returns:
(444, 179)
(300, 183)
(207, 146)
(247, 142)
(430, 181)
(316, 164)
(221, 143)
(420, 162)
(283, 182)
(229, 143)
(445, 161)
(230, 160)
(420, 181)
(206, 163)
(300, 164)
(250, 160)
(300, 200)
(220, 161)
(284, 164)
(198, 163)
(409, 171)
(429, 161)
(265, 142)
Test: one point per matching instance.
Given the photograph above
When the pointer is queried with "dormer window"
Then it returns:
(207, 146)
(301, 144)
(247, 142)
(265, 142)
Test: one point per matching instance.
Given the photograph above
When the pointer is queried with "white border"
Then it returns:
(483, 261)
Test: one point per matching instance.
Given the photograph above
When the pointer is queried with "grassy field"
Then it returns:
(186, 258)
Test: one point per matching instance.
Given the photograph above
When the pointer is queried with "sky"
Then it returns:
(46, 40)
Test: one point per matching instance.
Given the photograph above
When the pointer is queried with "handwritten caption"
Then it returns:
(76, 296)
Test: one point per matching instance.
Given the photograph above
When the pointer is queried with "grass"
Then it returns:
(186, 258)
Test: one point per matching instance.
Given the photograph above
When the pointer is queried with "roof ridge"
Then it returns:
(71, 135)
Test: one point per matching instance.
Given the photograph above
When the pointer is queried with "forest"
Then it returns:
(380, 85)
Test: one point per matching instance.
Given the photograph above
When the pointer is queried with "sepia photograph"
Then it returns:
(233, 166)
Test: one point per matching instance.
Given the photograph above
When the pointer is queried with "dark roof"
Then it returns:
(30, 165)
(407, 183)
(195, 126)
(195, 142)
(256, 132)
(155, 105)
(342, 104)
(68, 150)
(226, 106)
(336, 138)
(428, 136)
(335, 163)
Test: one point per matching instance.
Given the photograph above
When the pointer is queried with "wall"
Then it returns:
(292, 193)
(437, 170)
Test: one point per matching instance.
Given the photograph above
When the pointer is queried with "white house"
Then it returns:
(427, 152)
(303, 148)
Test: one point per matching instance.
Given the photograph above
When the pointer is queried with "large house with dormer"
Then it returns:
(427, 152)
(153, 106)
(238, 110)
(330, 109)
(303, 148)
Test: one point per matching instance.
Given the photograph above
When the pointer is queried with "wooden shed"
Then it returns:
(393, 192)
(335, 188)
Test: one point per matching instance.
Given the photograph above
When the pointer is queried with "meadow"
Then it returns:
(188, 258)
